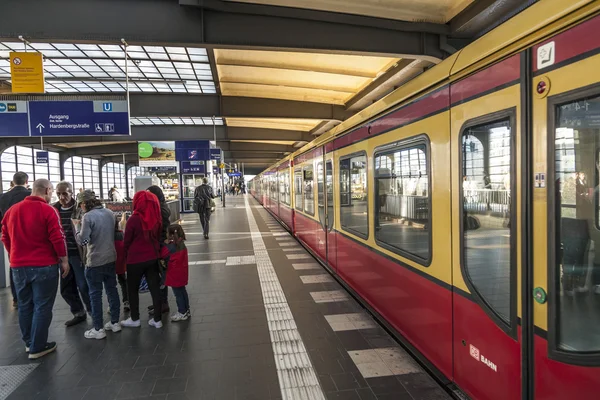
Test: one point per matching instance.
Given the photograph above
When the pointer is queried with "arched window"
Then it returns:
(113, 174)
(18, 158)
(83, 173)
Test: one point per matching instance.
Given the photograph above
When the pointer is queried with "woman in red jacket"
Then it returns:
(177, 272)
(142, 251)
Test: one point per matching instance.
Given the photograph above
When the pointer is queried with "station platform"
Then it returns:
(268, 322)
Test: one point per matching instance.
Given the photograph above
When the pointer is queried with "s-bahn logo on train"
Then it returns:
(476, 354)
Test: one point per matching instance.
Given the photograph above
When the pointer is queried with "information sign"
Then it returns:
(215, 154)
(188, 168)
(234, 174)
(13, 118)
(41, 157)
(27, 72)
(78, 118)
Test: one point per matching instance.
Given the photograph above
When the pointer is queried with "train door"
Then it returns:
(325, 203)
(485, 140)
(566, 217)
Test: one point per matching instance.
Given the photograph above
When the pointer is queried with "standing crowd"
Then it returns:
(80, 243)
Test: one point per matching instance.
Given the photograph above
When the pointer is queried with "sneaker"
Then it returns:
(129, 323)
(15, 304)
(188, 313)
(179, 316)
(165, 309)
(150, 308)
(76, 320)
(26, 349)
(156, 324)
(116, 327)
(50, 347)
(126, 307)
(94, 334)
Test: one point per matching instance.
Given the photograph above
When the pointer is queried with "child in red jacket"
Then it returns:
(177, 271)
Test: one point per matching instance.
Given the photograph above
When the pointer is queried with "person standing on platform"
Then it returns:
(16, 194)
(203, 196)
(75, 283)
(35, 241)
(178, 271)
(142, 253)
(165, 214)
(96, 233)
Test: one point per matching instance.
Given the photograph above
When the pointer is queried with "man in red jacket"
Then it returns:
(35, 241)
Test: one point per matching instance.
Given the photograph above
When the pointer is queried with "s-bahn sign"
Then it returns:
(64, 118)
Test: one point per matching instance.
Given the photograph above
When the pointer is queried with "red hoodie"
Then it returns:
(32, 234)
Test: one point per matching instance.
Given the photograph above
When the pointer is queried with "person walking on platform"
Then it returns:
(16, 194)
(178, 272)
(75, 283)
(96, 233)
(165, 214)
(203, 196)
(35, 241)
(142, 253)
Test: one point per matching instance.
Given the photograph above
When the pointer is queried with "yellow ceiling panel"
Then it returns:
(284, 93)
(282, 142)
(291, 78)
(364, 66)
(274, 123)
(438, 11)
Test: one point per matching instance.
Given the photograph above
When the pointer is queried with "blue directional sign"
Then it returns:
(215, 154)
(41, 157)
(234, 174)
(189, 167)
(13, 118)
(78, 118)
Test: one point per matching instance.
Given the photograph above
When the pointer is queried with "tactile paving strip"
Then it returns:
(297, 377)
(12, 376)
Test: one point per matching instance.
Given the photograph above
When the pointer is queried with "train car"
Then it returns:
(463, 208)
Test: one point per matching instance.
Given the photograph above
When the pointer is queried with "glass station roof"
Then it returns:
(144, 121)
(75, 68)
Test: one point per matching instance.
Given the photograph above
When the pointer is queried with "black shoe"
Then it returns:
(206, 236)
(165, 309)
(15, 304)
(76, 320)
(50, 347)
(150, 308)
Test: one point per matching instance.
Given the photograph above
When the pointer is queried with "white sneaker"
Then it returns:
(129, 323)
(155, 324)
(116, 327)
(179, 317)
(94, 334)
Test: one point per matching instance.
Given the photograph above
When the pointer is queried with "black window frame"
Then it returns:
(509, 114)
(410, 142)
(362, 235)
(592, 358)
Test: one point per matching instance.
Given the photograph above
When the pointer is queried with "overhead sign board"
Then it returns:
(215, 154)
(41, 157)
(14, 120)
(188, 167)
(27, 72)
(234, 174)
(78, 118)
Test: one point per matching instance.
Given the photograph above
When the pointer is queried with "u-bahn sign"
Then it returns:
(64, 118)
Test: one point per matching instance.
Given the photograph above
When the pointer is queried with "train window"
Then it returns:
(487, 168)
(320, 193)
(284, 187)
(577, 265)
(307, 179)
(298, 189)
(402, 217)
(353, 195)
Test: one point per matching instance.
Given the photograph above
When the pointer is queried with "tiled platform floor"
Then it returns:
(225, 351)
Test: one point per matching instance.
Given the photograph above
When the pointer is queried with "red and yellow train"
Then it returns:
(463, 208)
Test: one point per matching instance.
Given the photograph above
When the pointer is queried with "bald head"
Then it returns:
(42, 188)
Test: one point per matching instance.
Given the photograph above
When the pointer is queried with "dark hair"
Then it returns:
(92, 203)
(157, 191)
(175, 231)
(20, 178)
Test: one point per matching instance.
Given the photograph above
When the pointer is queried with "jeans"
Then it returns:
(134, 277)
(205, 220)
(96, 276)
(13, 289)
(36, 291)
(74, 285)
(182, 299)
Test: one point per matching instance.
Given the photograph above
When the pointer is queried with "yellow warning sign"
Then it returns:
(222, 165)
(27, 72)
